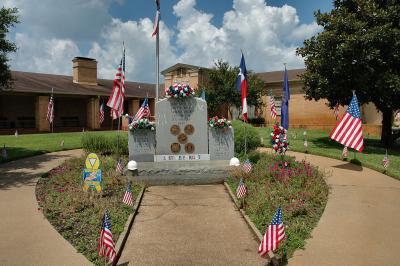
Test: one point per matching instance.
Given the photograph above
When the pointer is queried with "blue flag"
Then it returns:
(285, 102)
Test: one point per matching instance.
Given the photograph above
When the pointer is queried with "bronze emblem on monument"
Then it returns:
(189, 129)
(175, 129)
(189, 147)
(175, 147)
(182, 138)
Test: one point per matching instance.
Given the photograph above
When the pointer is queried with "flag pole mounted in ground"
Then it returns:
(156, 31)
(50, 110)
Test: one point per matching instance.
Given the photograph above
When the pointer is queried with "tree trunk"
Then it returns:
(386, 136)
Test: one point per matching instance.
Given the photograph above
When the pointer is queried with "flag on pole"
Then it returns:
(336, 111)
(386, 161)
(345, 153)
(4, 153)
(241, 190)
(348, 130)
(241, 85)
(101, 114)
(120, 166)
(50, 110)
(144, 110)
(157, 19)
(106, 245)
(127, 199)
(285, 102)
(247, 166)
(116, 100)
(273, 108)
(274, 234)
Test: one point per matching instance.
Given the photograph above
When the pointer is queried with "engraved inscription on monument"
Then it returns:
(221, 143)
(141, 145)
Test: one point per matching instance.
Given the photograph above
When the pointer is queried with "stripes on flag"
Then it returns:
(348, 130)
(273, 107)
(50, 110)
(128, 199)
(116, 100)
(144, 110)
(120, 166)
(156, 23)
(247, 166)
(241, 190)
(101, 114)
(274, 234)
(106, 245)
(386, 161)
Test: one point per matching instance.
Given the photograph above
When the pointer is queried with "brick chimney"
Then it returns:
(84, 70)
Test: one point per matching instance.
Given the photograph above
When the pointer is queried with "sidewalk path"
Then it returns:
(189, 225)
(27, 238)
(361, 221)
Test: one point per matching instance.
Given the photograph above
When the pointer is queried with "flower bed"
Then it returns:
(179, 91)
(77, 215)
(219, 122)
(299, 188)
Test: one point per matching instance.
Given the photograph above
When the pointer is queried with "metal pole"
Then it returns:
(157, 61)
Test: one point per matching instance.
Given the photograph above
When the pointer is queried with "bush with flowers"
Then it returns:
(219, 122)
(143, 123)
(279, 140)
(179, 90)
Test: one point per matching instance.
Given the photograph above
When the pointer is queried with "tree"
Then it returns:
(221, 89)
(8, 17)
(358, 49)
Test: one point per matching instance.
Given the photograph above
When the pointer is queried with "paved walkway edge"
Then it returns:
(271, 256)
(119, 247)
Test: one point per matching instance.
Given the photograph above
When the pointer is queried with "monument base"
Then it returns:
(182, 157)
(181, 172)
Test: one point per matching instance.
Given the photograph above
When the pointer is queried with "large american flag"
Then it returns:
(50, 110)
(386, 161)
(157, 19)
(128, 199)
(348, 130)
(274, 234)
(273, 108)
(247, 166)
(116, 100)
(144, 110)
(241, 190)
(106, 246)
(101, 114)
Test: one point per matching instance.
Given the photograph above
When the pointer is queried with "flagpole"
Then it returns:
(158, 59)
(245, 131)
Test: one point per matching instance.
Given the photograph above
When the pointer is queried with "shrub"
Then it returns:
(104, 144)
(253, 138)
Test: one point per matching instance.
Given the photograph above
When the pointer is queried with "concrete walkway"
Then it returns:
(190, 225)
(27, 238)
(361, 222)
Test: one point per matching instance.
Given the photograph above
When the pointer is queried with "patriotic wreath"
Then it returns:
(279, 140)
(179, 90)
(217, 122)
(143, 123)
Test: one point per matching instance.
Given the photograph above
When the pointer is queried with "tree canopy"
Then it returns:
(8, 18)
(358, 49)
(221, 88)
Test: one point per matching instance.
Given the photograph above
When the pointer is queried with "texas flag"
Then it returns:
(241, 85)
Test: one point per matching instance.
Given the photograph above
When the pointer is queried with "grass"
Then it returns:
(35, 144)
(76, 214)
(299, 190)
(319, 143)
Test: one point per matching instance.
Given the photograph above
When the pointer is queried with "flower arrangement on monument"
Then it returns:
(219, 122)
(179, 90)
(143, 123)
(279, 140)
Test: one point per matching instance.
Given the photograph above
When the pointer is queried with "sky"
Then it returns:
(196, 32)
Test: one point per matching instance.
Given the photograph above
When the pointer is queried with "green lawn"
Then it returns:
(34, 144)
(319, 143)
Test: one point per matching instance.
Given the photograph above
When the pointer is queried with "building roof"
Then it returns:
(180, 65)
(277, 76)
(43, 83)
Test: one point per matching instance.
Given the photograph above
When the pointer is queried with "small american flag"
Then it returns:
(50, 110)
(144, 110)
(336, 111)
(305, 143)
(386, 161)
(273, 108)
(274, 234)
(116, 100)
(247, 166)
(241, 190)
(120, 166)
(127, 199)
(101, 114)
(348, 130)
(4, 153)
(106, 246)
(345, 152)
